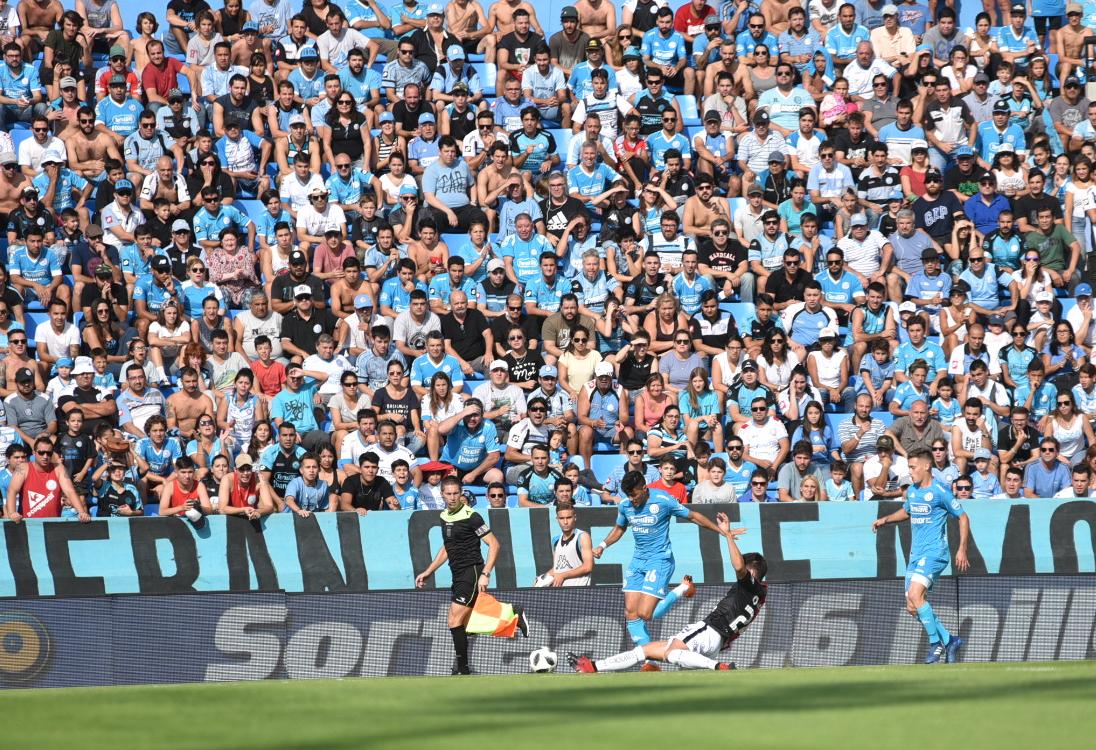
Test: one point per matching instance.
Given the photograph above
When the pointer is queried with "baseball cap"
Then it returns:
(981, 78)
(179, 225)
(919, 146)
(243, 460)
(123, 185)
(1072, 8)
(1006, 148)
(161, 264)
(604, 369)
(460, 87)
(362, 301)
(1000, 107)
(298, 119)
(251, 26)
(65, 362)
(1018, 9)
(24, 375)
(594, 43)
(776, 156)
(173, 95)
(455, 52)
(8, 157)
(386, 117)
(297, 257)
(498, 364)
(982, 454)
(68, 82)
(1082, 290)
(1072, 81)
(712, 115)
(52, 156)
(494, 264)
(117, 50)
(94, 230)
(117, 80)
(548, 371)
(317, 191)
(761, 117)
(749, 364)
(569, 11)
(829, 332)
(996, 320)
(907, 307)
(964, 152)
(34, 191)
(302, 290)
(408, 190)
(961, 287)
(308, 53)
(1044, 296)
(435, 9)
(633, 53)
(82, 366)
(104, 270)
(754, 189)
(858, 220)
(890, 10)
(712, 20)
(426, 117)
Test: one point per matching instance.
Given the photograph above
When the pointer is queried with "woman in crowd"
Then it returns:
(576, 366)
(651, 404)
(240, 411)
(232, 268)
(345, 131)
(103, 332)
(344, 406)
(396, 402)
(814, 429)
(677, 365)
(1072, 430)
(727, 364)
(701, 409)
(210, 320)
(329, 468)
(1062, 357)
(668, 438)
(777, 361)
(167, 336)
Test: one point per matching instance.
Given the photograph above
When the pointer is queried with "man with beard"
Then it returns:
(556, 331)
(467, 335)
(559, 209)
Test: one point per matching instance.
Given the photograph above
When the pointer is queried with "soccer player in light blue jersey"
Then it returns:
(928, 505)
(650, 513)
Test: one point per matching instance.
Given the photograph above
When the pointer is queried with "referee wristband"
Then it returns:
(602, 546)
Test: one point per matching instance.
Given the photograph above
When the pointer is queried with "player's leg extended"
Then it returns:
(918, 605)
(458, 619)
(684, 589)
(638, 608)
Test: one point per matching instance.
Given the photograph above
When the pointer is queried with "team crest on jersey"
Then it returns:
(654, 508)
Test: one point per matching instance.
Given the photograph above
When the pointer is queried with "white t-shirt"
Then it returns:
(829, 370)
(293, 192)
(863, 257)
(494, 398)
(763, 441)
(387, 458)
(899, 475)
(391, 188)
(30, 151)
(314, 223)
(334, 368)
(57, 344)
(1074, 316)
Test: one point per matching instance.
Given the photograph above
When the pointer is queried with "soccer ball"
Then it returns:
(542, 660)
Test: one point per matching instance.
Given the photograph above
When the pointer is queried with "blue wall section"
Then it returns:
(383, 550)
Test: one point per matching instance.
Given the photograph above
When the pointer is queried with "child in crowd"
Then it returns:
(579, 495)
(403, 488)
(104, 380)
(945, 408)
(62, 383)
(269, 373)
(116, 495)
(667, 467)
(836, 488)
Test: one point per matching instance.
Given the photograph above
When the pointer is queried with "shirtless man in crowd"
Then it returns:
(186, 406)
(467, 21)
(776, 14)
(501, 17)
(597, 18)
(12, 183)
(347, 288)
(88, 147)
(1071, 45)
(38, 20)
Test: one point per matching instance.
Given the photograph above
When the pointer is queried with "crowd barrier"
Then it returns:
(127, 640)
(344, 552)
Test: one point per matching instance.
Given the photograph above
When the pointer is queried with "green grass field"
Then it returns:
(969, 706)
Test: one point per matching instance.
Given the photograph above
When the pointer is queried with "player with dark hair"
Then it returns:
(927, 507)
(463, 530)
(649, 513)
(695, 644)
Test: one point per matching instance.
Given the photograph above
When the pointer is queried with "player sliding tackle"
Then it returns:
(650, 513)
(928, 505)
(694, 646)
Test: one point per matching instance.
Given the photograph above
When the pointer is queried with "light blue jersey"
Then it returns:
(308, 496)
(650, 525)
(929, 508)
(664, 50)
(689, 293)
(525, 255)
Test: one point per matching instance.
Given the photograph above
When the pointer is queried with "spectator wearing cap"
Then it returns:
(1080, 316)
(567, 47)
(893, 43)
(244, 156)
(330, 255)
(756, 148)
(1067, 110)
(152, 289)
(581, 80)
(29, 412)
(31, 214)
(1016, 42)
(432, 42)
(302, 327)
(283, 290)
(298, 58)
(61, 188)
(314, 219)
(425, 148)
(999, 131)
(402, 70)
(456, 71)
(928, 287)
(715, 157)
(179, 118)
(504, 403)
(359, 325)
(214, 217)
(104, 280)
(118, 111)
(1070, 38)
(986, 207)
(705, 45)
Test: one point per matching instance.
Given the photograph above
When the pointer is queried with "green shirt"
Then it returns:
(1053, 249)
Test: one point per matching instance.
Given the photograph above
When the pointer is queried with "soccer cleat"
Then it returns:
(725, 667)
(936, 653)
(690, 587)
(523, 622)
(583, 664)
(952, 649)
(650, 666)
(461, 670)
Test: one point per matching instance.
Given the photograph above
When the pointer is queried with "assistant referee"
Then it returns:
(463, 529)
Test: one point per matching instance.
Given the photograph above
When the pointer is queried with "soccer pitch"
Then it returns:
(969, 706)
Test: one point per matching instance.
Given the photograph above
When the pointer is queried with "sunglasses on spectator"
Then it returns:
(759, 408)
(759, 483)
(582, 340)
(539, 409)
(963, 488)
(496, 494)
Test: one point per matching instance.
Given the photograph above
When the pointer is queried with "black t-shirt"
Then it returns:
(1028, 206)
(680, 187)
(462, 123)
(966, 183)
(303, 333)
(784, 290)
(858, 150)
(613, 219)
(20, 220)
(738, 608)
(369, 497)
(11, 298)
(776, 188)
(365, 230)
(75, 452)
(161, 230)
(641, 292)
(524, 369)
(467, 337)
(500, 326)
(424, 47)
(385, 403)
(194, 185)
(282, 288)
(462, 531)
(634, 372)
(521, 52)
(91, 396)
(187, 10)
(556, 218)
(91, 292)
(240, 111)
(1006, 439)
(713, 332)
(407, 118)
(934, 216)
(726, 258)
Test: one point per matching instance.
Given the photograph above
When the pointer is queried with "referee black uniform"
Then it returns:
(462, 532)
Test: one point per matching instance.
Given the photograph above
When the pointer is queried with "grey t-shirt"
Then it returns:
(882, 113)
(31, 416)
(1065, 113)
(567, 54)
(791, 480)
(706, 492)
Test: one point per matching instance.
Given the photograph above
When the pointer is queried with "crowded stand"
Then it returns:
(277, 257)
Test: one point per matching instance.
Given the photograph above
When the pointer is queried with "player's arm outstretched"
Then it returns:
(610, 539)
(437, 562)
(897, 516)
(723, 526)
(706, 523)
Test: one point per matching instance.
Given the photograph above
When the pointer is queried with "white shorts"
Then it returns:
(700, 638)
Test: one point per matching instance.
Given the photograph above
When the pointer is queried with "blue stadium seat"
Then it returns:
(738, 310)
(602, 464)
(690, 116)
(250, 206)
(563, 142)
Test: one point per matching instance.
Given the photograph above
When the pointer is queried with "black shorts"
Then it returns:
(465, 589)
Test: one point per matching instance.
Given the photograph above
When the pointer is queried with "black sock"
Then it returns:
(460, 644)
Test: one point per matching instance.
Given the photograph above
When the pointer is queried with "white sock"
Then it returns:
(683, 657)
(623, 660)
(680, 588)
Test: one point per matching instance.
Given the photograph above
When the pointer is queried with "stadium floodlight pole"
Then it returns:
(927, 507)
